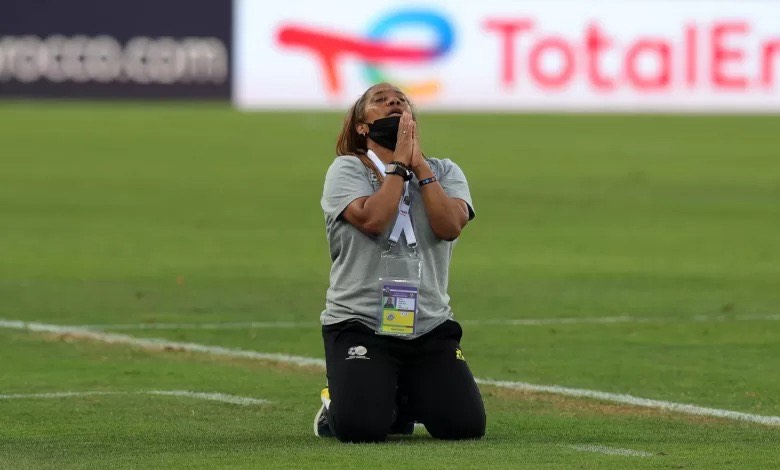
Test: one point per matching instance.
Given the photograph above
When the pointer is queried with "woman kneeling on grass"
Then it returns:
(391, 345)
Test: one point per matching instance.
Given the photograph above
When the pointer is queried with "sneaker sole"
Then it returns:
(317, 420)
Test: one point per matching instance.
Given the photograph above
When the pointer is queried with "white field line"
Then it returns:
(14, 396)
(621, 319)
(497, 322)
(220, 397)
(203, 326)
(635, 401)
(610, 450)
(159, 344)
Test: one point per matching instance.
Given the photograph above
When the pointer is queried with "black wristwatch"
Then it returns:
(396, 169)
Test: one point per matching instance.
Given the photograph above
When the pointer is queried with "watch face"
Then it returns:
(390, 168)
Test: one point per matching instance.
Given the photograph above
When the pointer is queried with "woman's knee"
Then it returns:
(353, 425)
(460, 431)
(457, 426)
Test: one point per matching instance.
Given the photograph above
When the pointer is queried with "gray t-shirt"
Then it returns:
(354, 276)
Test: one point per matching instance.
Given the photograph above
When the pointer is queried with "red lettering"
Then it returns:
(535, 62)
(595, 43)
(554, 62)
(662, 51)
(721, 55)
(768, 62)
(329, 48)
(507, 31)
(691, 49)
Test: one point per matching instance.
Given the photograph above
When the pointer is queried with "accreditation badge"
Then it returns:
(399, 289)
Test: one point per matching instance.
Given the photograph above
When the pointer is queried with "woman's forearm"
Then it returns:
(372, 215)
(446, 215)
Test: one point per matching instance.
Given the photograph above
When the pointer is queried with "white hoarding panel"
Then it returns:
(552, 55)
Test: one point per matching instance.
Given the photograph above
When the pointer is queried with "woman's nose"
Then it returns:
(394, 101)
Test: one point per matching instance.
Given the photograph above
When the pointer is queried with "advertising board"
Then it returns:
(116, 49)
(562, 55)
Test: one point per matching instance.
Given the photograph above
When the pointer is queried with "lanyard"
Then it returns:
(403, 223)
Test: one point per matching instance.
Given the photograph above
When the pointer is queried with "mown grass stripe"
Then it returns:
(160, 344)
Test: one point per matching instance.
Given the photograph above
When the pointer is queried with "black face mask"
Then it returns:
(385, 131)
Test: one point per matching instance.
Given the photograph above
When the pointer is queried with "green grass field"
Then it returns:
(149, 214)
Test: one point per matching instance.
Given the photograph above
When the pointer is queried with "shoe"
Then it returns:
(321, 426)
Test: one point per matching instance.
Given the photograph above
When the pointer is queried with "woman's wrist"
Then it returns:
(422, 170)
(403, 165)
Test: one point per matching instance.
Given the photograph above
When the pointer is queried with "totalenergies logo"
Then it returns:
(374, 49)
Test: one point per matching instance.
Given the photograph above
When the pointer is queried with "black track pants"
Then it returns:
(375, 380)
